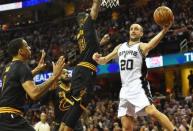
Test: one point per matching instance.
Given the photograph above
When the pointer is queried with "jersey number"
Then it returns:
(81, 40)
(127, 64)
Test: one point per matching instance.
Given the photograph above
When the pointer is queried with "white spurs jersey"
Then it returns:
(132, 65)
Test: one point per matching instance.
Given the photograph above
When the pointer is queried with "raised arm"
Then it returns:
(36, 91)
(41, 64)
(154, 41)
(103, 60)
(95, 9)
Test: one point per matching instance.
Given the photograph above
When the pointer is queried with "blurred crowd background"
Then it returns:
(102, 115)
(56, 34)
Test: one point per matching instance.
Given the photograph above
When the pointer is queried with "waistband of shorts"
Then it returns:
(88, 65)
(10, 110)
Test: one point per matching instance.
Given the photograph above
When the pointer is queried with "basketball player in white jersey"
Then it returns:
(135, 96)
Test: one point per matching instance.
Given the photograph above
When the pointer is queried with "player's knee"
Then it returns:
(127, 129)
(127, 126)
(151, 111)
(127, 123)
(82, 97)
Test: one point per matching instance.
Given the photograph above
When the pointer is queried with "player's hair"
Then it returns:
(14, 46)
(141, 28)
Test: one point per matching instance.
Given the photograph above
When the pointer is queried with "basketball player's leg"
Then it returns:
(64, 127)
(151, 110)
(75, 111)
(82, 92)
(126, 112)
(127, 123)
(71, 119)
(162, 118)
(14, 122)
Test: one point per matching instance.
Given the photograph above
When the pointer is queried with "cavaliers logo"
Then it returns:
(65, 103)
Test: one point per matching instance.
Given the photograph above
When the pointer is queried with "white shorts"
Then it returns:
(134, 104)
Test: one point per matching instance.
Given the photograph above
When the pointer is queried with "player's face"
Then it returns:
(43, 117)
(25, 50)
(136, 32)
(65, 75)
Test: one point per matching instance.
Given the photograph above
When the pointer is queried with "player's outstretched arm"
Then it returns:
(103, 60)
(95, 9)
(36, 91)
(155, 40)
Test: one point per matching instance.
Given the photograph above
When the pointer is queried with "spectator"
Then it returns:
(190, 78)
(42, 125)
(184, 125)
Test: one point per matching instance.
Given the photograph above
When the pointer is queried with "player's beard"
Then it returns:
(65, 81)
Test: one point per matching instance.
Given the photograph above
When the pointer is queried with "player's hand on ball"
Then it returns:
(163, 16)
(167, 27)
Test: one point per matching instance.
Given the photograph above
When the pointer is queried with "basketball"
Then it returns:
(163, 15)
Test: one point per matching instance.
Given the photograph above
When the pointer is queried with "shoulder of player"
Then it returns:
(142, 45)
(120, 44)
(22, 67)
(19, 65)
(117, 47)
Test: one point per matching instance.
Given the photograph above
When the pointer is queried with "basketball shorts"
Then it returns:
(13, 122)
(134, 99)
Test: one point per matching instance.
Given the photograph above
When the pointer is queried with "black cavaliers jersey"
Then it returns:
(59, 98)
(13, 94)
(88, 41)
